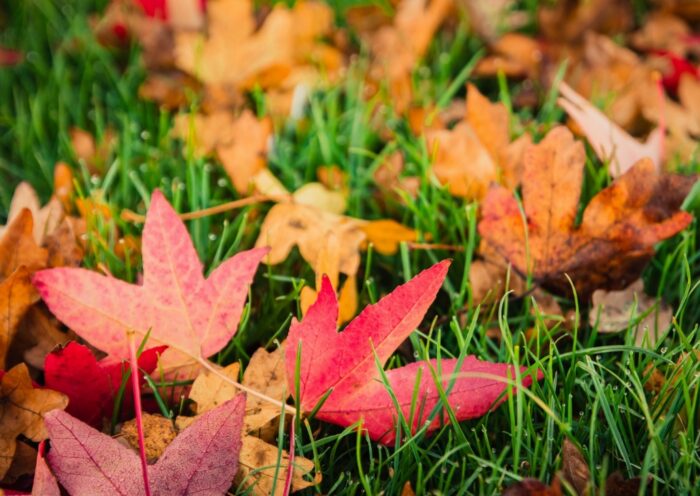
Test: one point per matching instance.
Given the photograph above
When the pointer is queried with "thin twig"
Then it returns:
(131, 216)
(433, 246)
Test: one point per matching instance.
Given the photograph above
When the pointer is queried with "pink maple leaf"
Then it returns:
(203, 459)
(345, 362)
(195, 317)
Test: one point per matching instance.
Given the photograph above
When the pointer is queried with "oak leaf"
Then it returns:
(618, 230)
(344, 363)
(202, 459)
(22, 409)
(176, 306)
(92, 385)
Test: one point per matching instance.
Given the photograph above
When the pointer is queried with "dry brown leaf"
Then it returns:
(513, 54)
(289, 225)
(259, 464)
(209, 391)
(18, 247)
(397, 48)
(461, 161)
(38, 334)
(407, 490)
(158, 433)
(92, 153)
(17, 295)
(65, 245)
(489, 19)
(569, 20)
(613, 311)
(21, 412)
(662, 31)
(280, 54)
(617, 234)
(390, 181)
(46, 218)
(386, 235)
(575, 467)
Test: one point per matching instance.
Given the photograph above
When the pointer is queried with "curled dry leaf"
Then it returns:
(345, 364)
(613, 311)
(22, 408)
(611, 143)
(617, 234)
(87, 150)
(174, 294)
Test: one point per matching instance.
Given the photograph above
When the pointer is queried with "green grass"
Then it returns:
(593, 386)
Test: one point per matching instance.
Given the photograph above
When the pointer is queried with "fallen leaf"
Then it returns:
(176, 306)
(345, 363)
(158, 433)
(92, 385)
(280, 54)
(262, 467)
(575, 467)
(265, 373)
(45, 219)
(618, 231)
(615, 311)
(611, 143)
(23, 464)
(397, 48)
(17, 295)
(569, 21)
(18, 247)
(202, 459)
(38, 334)
(22, 410)
(45, 483)
(533, 487)
(92, 153)
(240, 143)
(488, 19)
(386, 235)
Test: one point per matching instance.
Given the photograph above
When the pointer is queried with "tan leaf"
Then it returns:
(21, 412)
(17, 295)
(158, 433)
(262, 466)
(386, 235)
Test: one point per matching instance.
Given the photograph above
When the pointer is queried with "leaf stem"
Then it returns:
(137, 407)
(210, 367)
(131, 216)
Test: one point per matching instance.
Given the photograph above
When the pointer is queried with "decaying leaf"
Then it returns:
(345, 364)
(618, 231)
(158, 433)
(201, 459)
(92, 153)
(575, 467)
(22, 408)
(615, 311)
(176, 306)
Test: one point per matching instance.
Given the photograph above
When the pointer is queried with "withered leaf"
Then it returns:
(618, 231)
(615, 311)
(17, 295)
(21, 411)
